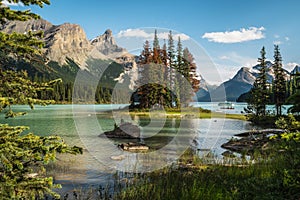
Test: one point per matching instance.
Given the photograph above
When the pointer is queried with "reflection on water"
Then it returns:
(82, 126)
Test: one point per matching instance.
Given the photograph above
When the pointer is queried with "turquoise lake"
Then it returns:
(81, 125)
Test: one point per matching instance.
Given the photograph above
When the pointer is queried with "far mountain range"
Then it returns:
(241, 83)
(68, 50)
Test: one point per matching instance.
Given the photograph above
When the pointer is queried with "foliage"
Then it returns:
(23, 156)
(16, 88)
(18, 45)
(294, 99)
(8, 14)
(288, 162)
(289, 123)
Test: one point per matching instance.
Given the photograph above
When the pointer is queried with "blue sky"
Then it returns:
(230, 32)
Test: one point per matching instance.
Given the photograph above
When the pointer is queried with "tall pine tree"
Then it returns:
(279, 87)
(259, 94)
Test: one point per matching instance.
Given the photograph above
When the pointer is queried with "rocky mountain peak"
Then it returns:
(108, 33)
(296, 70)
(106, 45)
(67, 41)
(244, 75)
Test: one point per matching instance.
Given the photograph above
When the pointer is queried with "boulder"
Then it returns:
(125, 130)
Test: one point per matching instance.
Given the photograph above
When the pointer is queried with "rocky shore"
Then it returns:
(249, 142)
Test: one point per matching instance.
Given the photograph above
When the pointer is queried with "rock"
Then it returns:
(248, 144)
(125, 130)
(119, 157)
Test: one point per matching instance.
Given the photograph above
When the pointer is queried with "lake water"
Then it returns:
(81, 125)
(238, 107)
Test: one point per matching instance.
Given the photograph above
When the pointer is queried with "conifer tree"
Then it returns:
(294, 99)
(155, 41)
(171, 64)
(190, 69)
(259, 94)
(23, 156)
(279, 81)
(262, 83)
(178, 79)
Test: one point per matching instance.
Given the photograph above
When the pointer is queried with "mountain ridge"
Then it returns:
(69, 41)
(241, 83)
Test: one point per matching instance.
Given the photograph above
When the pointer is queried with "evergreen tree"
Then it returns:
(279, 81)
(155, 41)
(23, 156)
(294, 99)
(171, 64)
(262, 82)
(171, 50)
(178, 79)
(259, 94)
(190, 69)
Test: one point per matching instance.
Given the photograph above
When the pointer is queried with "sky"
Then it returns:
(223, 35)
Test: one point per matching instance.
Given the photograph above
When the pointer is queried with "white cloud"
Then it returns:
(140, 33)
(277, 42)
(6, 3)
(242, 35)
(287, 38)
(133, 33)
(291, 65)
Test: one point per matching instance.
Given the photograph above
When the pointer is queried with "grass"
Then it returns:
(186, 113)
(215, 182)
(276, 176)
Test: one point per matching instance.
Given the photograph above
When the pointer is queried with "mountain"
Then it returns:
(61, 42)
(107, 46)
(204, 89)
(241, 83)
(233, 88)
(296, 70)
(67, 50)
